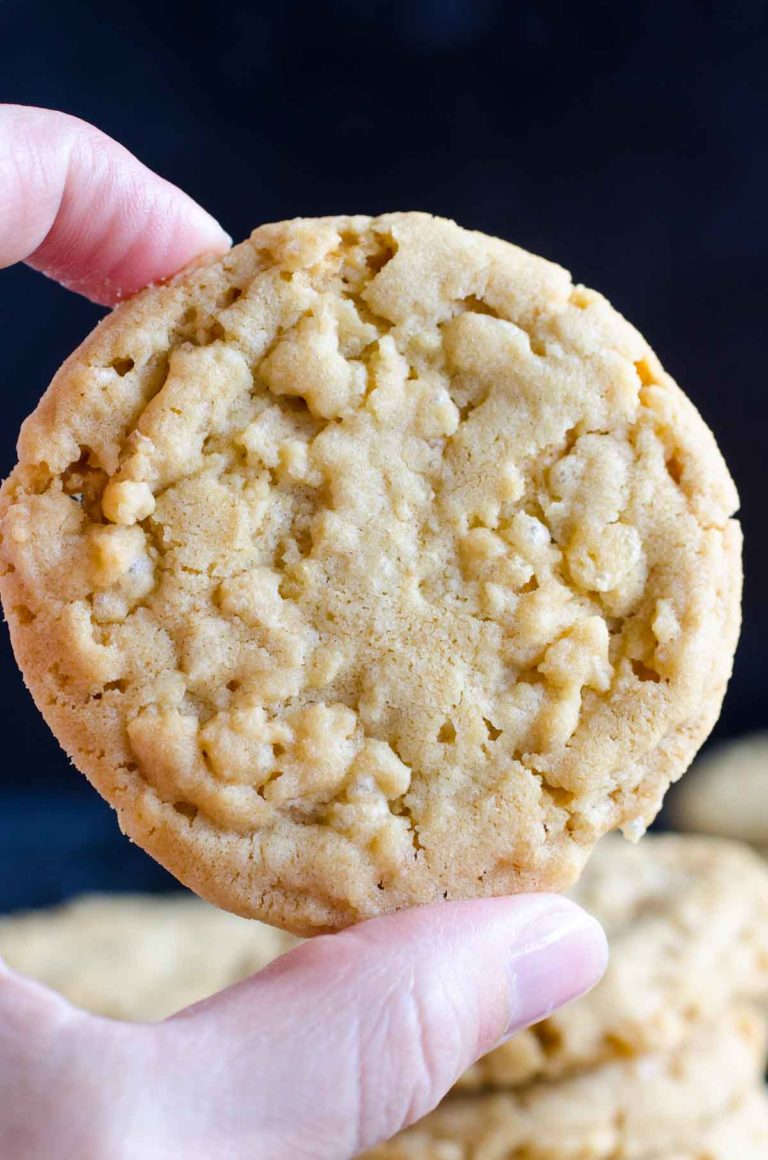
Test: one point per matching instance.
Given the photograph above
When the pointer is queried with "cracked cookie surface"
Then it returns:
(371, 564)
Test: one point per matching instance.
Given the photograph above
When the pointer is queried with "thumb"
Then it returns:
(352, 1036)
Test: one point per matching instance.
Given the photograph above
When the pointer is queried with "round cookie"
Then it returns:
(727, 793)
(371, 564)
(687, 923)
(134, 957)
(651, 1105)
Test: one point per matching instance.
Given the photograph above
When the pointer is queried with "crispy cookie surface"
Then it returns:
(371, 564)
(652, 1105)
(136, 957)
(687, 923)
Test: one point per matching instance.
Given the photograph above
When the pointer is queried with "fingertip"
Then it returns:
(511, 960)
(180, 240)
(562, 954)
(163, 232)
(210, 234)
(84, 211)
(178, 230)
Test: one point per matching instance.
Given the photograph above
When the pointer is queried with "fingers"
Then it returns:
(78, 207)
(350, 1037)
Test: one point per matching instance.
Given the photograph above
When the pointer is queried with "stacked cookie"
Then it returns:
(665, 1058)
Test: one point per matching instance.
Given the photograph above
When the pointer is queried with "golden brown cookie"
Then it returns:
(687, 923)
(652, 1105)
(135, 957)
(371, 564)
(727, 792)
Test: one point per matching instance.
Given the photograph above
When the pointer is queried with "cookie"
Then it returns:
(727, 792)
(134, 957)
(742, 1134)
(371, 564)
(648, 1106)
(687, 923)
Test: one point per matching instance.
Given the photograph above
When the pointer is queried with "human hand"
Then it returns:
(347, 1038)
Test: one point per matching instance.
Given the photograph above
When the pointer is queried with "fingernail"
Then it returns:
(561, 955)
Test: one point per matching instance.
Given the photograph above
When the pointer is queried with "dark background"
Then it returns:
(625, 141)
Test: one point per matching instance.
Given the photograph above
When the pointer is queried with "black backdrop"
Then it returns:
(626, 141)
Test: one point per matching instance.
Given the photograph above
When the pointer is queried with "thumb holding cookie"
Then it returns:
(331, 1049)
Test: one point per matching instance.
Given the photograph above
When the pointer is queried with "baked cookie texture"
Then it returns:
(687, 923)
(742, 1134)
(371, 564)
(135, 957)
(728, 792)
(632, 1109)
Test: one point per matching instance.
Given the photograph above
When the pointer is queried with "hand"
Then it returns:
(347, 1038)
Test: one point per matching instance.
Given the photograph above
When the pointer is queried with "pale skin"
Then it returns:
(344, 1040)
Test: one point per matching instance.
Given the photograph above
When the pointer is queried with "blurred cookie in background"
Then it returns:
(727, 793)
(134, 957)
(687, 923)
(742, 1134)
(656, 1105)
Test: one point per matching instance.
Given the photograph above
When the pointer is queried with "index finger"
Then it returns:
(83, 210)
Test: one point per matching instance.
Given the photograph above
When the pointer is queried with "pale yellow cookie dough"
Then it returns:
(371, 564)
(652, 1105)
(727, 792)
(135, 957)
(687, 923)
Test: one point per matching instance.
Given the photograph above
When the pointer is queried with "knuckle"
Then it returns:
(411, 1049)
